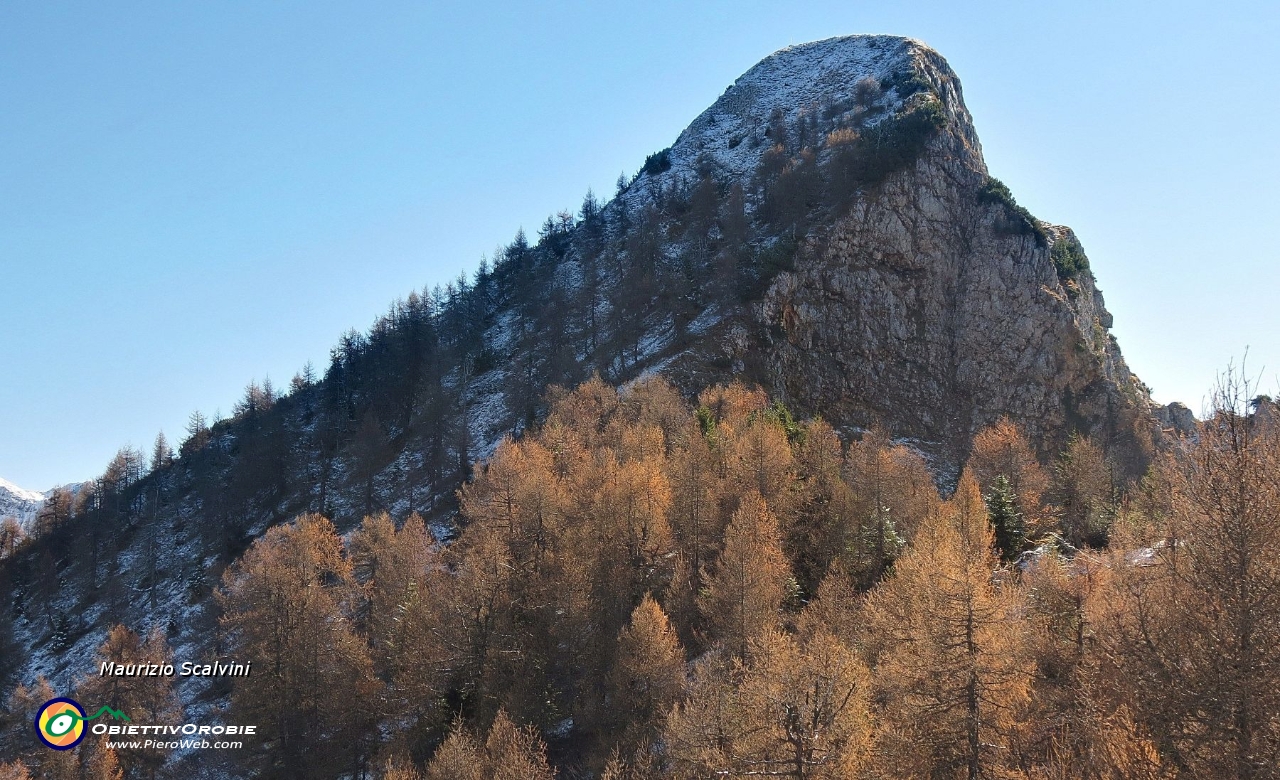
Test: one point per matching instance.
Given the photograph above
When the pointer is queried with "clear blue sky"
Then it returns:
(196, 195)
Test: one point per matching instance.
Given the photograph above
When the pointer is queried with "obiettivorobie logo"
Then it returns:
(60, 722)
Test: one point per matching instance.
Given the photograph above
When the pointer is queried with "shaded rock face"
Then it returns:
(920, 309)
(940, 328)
(1178, 420)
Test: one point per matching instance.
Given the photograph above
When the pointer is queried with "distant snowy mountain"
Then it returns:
(19, 503)
(23, 504)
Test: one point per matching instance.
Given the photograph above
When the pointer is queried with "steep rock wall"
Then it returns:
(925, 305)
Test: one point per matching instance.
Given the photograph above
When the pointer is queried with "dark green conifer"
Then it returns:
(1010, 528)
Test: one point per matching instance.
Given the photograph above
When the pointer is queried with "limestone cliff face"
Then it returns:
(939, 330)
(926, 305)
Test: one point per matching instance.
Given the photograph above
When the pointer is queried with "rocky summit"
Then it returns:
(926, 301)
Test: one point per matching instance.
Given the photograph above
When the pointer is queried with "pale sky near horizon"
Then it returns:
(196, 195)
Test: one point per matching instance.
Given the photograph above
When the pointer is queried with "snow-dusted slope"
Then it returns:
(803, 79)
(19, 503)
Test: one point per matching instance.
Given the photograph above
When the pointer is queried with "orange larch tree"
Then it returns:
(946, 645)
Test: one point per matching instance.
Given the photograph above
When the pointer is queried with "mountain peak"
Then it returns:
(852, 79)
(20, 493)
(899, 284)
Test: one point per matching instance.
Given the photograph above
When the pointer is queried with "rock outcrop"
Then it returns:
(1177, 420)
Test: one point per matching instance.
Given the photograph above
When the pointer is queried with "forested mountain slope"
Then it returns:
(826, 230)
